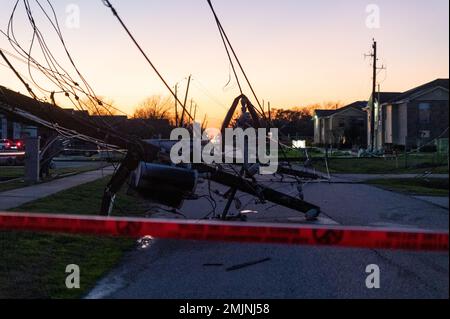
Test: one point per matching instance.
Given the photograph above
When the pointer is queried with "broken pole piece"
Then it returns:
(311, 211)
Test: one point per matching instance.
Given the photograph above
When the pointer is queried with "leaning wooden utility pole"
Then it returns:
(185, 101)
(195, 112)
(176, 105)
(190, 108)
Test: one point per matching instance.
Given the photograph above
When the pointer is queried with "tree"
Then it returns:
(310, 109)
(293, 122)
(99, 106)
(155, 108)
(298, 121)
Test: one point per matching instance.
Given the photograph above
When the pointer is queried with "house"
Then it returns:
(149, 128)
(342, 127)
(14, 130)
(13, 127)
(380, 99)
(413, 118)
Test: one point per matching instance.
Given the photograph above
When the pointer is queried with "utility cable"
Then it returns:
(108, 4)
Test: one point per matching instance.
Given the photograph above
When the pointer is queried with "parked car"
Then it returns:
(5, 144)
(11, 145)
(19, 144)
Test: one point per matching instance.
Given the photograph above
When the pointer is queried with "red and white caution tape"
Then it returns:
(334, 236)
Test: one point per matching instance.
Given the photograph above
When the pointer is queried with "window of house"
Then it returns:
(425, 113)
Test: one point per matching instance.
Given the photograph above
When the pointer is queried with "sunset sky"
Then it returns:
(295, 52)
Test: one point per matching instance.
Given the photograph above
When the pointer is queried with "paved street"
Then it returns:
(359, 178)
(439, 201)
(191, 269)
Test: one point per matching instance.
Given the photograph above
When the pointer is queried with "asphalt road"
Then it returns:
(191, 269)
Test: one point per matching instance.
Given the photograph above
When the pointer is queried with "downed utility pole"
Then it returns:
(137, 152)
(311, 211)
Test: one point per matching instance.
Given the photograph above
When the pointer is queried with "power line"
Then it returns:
(55, 72)
(224, 36)
(227, 51)
(18, 75)
(108, 4)
(61, 78)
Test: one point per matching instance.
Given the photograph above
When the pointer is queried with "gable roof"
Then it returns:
(325, 113)
(359, 105)
(422, 88)
(384, 97)
(26, 103)
(356, 105)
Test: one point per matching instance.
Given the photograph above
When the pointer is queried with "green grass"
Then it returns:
(7, 186)
(16, 174)
(424, 187)
(291, 153)
(415, 164)
(10, 172)
(33, 265)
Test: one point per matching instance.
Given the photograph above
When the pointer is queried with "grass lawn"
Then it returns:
(416, 164)
(16, 174)
(10, 172)
(33, 265)
(424, 187)
(291, 153)
(7, 186)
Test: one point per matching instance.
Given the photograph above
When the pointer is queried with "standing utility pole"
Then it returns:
(372, 104)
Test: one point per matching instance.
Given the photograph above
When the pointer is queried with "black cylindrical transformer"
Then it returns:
(167, 185)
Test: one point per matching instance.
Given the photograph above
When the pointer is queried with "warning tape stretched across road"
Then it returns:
(335, 236)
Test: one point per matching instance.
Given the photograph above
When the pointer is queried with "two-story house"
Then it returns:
(413, 118)
(345, 126)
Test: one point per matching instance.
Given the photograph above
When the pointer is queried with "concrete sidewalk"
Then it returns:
(438, 201)
(357, 178)
(361, 178)
(17, 197)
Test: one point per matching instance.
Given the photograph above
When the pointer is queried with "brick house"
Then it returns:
(413, 118)
(342, 127)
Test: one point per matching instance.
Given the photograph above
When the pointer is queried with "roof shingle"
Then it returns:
(427, 86)
(356, 105)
